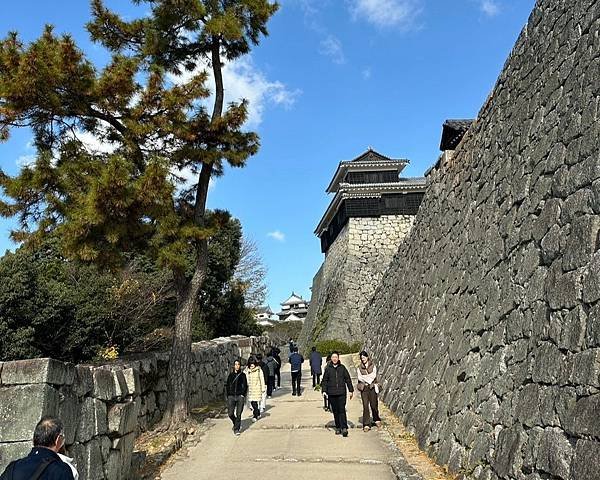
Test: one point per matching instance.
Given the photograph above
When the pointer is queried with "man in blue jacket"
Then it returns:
(43, 462)
(296, 361)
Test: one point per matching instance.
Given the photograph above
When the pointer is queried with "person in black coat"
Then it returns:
(277, 357)
(237, 389)
(43, 462)
(316, 359)
(336, 380)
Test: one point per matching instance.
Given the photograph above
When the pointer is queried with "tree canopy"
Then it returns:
(101, 205)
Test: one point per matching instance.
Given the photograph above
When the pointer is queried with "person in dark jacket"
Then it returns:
(237, 389)
(43, 462)
(325, 398)
(316, 359)
(265, 370)
(296, 361)
(277, 357)
(335, 381)
(271, 364)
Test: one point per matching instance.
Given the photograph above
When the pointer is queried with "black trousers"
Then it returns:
(278, 376)
(296, 379)
(369, 399)
(235, 407)
(255, 409)
(338, 407)
(270, 385)
(316, 379)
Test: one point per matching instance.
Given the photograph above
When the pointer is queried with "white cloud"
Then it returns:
(26, 160)
(277, 235)
(94, 144)
(366, 73)
(386, 13)
(332, 47)
(243, 80)
(490, 8)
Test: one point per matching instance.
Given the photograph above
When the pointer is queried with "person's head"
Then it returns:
(49, 433)
(364, 357)
(251, 363)
(237, 365)
(314, 349)
(335, 357)
(259, 357)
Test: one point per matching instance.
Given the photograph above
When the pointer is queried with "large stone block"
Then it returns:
(555, 453)
(92, 420)
(84, 380)
(119, 460)
(38, 370)
(132, 381)
(13, 451)
(68, 412)
(22, 406)
(122, 418)
(104, 384)
(586, 464)
(583, 418)
(89, 460)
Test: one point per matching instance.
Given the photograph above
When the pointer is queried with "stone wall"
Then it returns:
(104, 407)
(351, 271)
(486, 326)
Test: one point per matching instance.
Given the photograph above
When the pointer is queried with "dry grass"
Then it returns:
(407, 444)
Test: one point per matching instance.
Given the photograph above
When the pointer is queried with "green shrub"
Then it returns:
(325, 347)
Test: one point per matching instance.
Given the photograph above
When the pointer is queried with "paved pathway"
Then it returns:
(294, 438)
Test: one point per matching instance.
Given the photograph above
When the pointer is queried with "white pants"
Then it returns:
(263, 402)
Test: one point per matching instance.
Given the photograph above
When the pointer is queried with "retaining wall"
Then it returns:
(487, 324)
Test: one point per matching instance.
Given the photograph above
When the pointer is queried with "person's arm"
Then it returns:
(349, 382)
(325, 381)
(244, 385)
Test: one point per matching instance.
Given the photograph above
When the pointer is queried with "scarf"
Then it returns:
(367, 374)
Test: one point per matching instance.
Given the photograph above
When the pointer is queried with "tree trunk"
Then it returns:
(187, 291)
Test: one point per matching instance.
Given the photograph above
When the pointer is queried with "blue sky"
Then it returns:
(333, 78)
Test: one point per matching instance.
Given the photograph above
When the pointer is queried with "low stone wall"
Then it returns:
(105, 407)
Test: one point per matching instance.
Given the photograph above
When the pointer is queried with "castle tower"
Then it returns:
(371, 212)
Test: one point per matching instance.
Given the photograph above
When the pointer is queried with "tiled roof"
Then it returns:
(452, 133)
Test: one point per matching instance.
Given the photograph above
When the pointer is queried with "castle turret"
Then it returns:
(371, 212)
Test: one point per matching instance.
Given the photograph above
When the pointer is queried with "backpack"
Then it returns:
(9, 473)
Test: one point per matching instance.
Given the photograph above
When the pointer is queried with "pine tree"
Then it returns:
(133, 197)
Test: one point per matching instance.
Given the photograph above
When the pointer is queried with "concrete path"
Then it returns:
(295, 439)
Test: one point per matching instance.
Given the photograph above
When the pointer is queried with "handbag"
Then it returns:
(360, 386)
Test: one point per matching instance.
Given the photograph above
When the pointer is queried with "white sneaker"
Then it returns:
(254, 419)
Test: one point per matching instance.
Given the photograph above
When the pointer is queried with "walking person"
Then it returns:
(316, 359)
(271, 364)
(296, 361)
(265, 370)
(336, 380)
(237, 389)
(326, 405)
(369, 390)
(43, 462)
(277, 357)
(256, 386)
